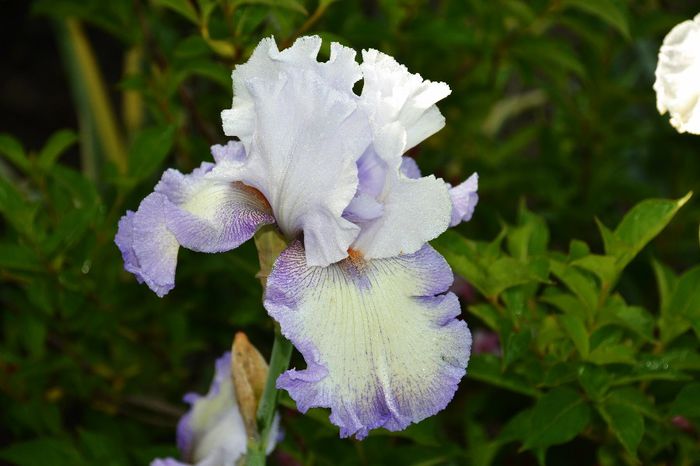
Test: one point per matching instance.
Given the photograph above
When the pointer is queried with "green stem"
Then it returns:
(279, 361)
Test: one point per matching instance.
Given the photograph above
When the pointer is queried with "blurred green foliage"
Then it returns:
(552, 104)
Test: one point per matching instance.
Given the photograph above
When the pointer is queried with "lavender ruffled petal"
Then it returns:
(149, 249)
(464, 199)
(381, 340)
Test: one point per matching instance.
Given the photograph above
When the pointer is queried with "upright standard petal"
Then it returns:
(391, 93)
(381, 340)
(304, 148)
(677, 83)
(268, 63)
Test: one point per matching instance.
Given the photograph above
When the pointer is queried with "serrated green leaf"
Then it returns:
(557, 417)
(626, 423)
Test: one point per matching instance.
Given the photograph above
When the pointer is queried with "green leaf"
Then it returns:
(13, 151)
(57, 144)
(602, 266)
(626, 423)
(636, 400)
(18, 257)
(183, 7)
(579, 282)
(576, 329)
(666, 281)
(687, 403)
(42, 452)
(530, 237)
(484, 266)
(640, 225)
(292, 5)
(595, 380)
(487, 368)
(516, 344)
(552, 54)
(685, 300)
(557, 417)
(612, 12)
(18, 212)
(634, 318)
(488, 314)
(611, 352)
(149, 149)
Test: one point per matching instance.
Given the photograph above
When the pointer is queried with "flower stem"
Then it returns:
(279, 361)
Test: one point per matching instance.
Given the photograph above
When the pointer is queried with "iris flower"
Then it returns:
(212, 432)
(358, 290)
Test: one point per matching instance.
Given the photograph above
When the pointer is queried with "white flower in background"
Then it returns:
(677, 83)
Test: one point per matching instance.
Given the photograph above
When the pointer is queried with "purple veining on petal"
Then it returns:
(464, 199)
(409, 167)
(381, 397)
(193, 211)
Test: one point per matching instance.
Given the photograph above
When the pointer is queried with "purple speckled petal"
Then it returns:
(464, 199)
(380, 338)
(148, 248)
